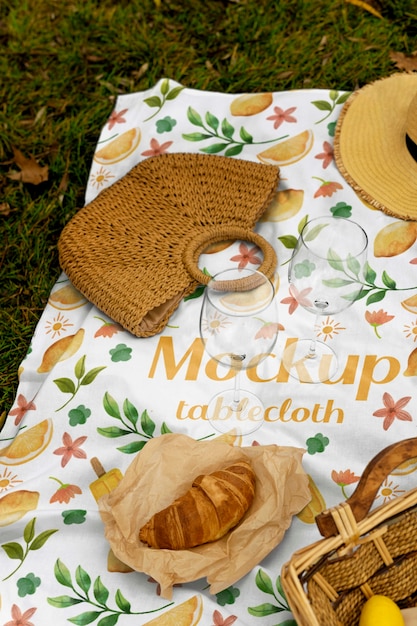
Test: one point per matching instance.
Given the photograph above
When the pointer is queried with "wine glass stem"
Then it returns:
(312, 348)
(236, 390)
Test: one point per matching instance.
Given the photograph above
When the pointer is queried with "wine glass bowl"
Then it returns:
(324, 273)
(238, 325)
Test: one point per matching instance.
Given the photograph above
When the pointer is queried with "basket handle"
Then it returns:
(372, 478)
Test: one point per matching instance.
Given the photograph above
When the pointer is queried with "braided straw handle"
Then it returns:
(216, 234)
(372, 478)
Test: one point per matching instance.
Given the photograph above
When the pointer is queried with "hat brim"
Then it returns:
(370, 145)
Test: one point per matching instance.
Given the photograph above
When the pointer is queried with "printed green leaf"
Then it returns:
(113, 431)
(13, 550)
(110, 406)
(153, 101)
(174, 93)
(212, 121)
(123, 604)
(196, 294)
(83, 579)
(62, 602)
(132, 448)
(388, 281)
(359, 294)
(312, 234)
(334, 260)
(289, 241)
(101, 593)
(65, 385)
(342, 99)
(130, 411)
(194, 117)
(165, 429)
(369, 274)
(278, 583)
(41, 539)
(215, 148)
(245, 136)
(195, 136)
(302, 223)
(110, 620)
(165, 86)
(91, 375)
(322, 105)
(288, 622)
(234, 150)
(333, 94)
(29, 531)
(148, 426)
(354, 265)
(85, 618)
(227, 129)
(336, 283)
(376, 297)
(62, 574)
(264, 582)
(79, 368)
(355, 295)
(264, 609)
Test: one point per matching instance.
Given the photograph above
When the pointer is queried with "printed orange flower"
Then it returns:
(268, 330)
(65, 492)
(71, 448)
(393, 410)
(247, 255)
(117, 117)
(219, 620)
(377, 318)
(281, 116)
(327, 188)
(156, 148)
(326, 155)
(344, 478)
(23, 406)
(108, 329)
(19, 618)
(297, 297)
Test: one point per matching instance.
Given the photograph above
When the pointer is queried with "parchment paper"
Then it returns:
(165, 469)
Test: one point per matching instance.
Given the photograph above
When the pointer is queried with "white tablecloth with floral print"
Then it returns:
(90, 389)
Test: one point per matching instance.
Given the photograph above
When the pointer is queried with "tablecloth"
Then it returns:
(88, 388)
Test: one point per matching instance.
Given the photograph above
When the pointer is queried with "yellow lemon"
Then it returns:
(286, 204)
(395, 238)
(231, 437)
(119, 148)
(412, 364)
(250, 104)
(14, 505)
(28, 444)
(60, 350)
(380, 611)
(186, 614)
(410, 304)
(289, 151)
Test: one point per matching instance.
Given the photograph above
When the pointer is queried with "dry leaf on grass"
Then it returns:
(30, 170)
(407, 62)
(371, 6)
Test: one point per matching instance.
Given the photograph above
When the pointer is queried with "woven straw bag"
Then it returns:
(362, 554)
(133, 251)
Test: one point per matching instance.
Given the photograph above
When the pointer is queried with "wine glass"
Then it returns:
(239, 327)
(324, 277)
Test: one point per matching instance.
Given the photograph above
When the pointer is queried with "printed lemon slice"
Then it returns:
(285, 204)
(119, 148)
(250, 301)
(186, 614)
(60, 350)
(395, 239)
(28, 444)
(14, 505)
(288, 151)
(410, 304)
(67, 298)
(408, 467)
(250, 104)
(231, 437)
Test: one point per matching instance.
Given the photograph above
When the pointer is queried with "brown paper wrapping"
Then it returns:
(165, 469)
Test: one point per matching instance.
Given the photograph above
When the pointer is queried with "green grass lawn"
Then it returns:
(63, 63)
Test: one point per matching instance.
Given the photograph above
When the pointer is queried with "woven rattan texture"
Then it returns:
(365, 566)
(125, 250)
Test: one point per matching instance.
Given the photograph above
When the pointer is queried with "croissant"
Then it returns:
(213, 505)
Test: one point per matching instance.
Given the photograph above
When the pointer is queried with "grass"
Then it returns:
(64, 63)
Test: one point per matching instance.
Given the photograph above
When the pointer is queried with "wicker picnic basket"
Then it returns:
(364, 552)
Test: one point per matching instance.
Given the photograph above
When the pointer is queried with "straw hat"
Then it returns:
(376, 144)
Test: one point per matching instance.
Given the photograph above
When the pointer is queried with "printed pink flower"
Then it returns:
(19, 618)
(117, 117)
(327, 188)
(108, 329)
(344, 478)
(297, 298)
(281, 116)
(23, 405)
(247, 255)
(71, 448)
(218, 620)
(268, 330)
(326, 155)
(393, 410)
(377, 318)
(65, 492)
(157, 148)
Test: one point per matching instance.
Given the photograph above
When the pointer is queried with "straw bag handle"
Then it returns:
(372, 478)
